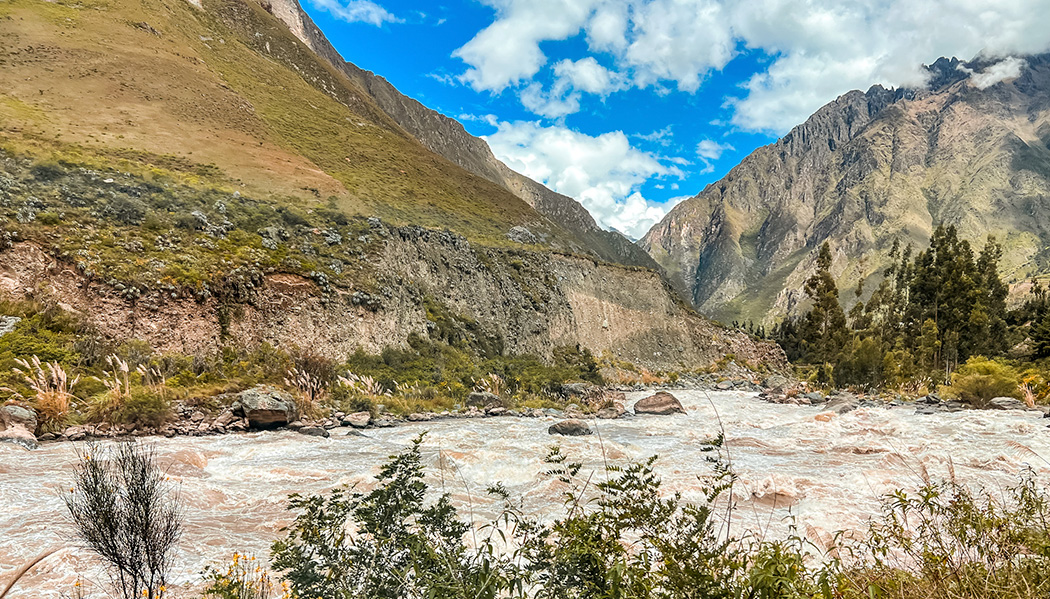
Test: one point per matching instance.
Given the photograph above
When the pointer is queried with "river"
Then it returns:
(823, 472)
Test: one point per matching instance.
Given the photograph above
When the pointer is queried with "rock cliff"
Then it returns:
(867, 169)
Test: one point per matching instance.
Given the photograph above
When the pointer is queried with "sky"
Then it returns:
(631, 106)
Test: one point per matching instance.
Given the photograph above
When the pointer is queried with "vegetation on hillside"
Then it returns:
(937, 318)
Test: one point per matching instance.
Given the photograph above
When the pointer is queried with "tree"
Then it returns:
(1041, 336)
(123, 510)
(824, 332)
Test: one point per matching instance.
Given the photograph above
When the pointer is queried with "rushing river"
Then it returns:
(825, 472)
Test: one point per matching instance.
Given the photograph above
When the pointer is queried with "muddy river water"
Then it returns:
(825, 472)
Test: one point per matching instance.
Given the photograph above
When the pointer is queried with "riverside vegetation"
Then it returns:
(937, 322)
(620, 536)
(55, 364)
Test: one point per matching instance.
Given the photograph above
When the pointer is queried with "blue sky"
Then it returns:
(631, 106)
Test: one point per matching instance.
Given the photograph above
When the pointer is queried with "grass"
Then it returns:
(233, 100)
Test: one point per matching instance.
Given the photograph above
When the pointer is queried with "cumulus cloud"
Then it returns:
(711, 150)
(604, 172)
(356, 11)
(817, 50)
(1005, 69)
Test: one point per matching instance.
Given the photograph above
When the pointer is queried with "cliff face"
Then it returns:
(447, 137)
(864, 170)
(528, 302)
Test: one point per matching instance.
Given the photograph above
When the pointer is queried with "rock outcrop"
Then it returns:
(530, 302)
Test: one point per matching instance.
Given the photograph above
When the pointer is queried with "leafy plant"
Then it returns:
(243, 578)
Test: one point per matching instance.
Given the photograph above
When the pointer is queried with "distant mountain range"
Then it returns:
(865, 170)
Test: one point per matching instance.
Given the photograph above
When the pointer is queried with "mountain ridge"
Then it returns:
(447, 137)
(866, 168)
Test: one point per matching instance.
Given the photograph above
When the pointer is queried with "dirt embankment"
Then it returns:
(532, 302)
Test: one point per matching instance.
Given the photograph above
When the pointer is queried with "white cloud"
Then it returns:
(356, 11)
(1005, 69)
(819, 49)
(711, 150)
(604, 172)
(507, 52)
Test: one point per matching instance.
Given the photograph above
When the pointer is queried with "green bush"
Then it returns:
(144, 408)
(981, 379)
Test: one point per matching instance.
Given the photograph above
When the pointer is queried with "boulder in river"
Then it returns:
(842, 402)
(17, 425)
(611, 412)
(314, 431)
(265, 406)
(660, 404)
(776, 382)
(571, 427)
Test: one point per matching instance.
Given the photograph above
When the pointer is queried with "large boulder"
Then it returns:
(18, 425)
(571, 427)
(357, 419)
(265, 406)
(660, 404)
(776, 382)
(842, 402)
(1006, 403)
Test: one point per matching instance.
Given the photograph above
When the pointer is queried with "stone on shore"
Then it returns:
(18, 425)
(660, 404)
(265, 406)
(1006, 403)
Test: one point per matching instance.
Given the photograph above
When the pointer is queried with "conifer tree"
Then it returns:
(824, 331)
(1041, 336)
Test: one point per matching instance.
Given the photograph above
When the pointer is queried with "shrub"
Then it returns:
(144, 408)
(123, 511)
(243, 578)
(946, 540)
(981, 379)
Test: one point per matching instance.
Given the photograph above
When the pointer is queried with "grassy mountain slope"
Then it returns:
(865, 170)
(447, 137)
(226, 90)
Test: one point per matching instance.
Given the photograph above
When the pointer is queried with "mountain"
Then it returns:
(447, 137)
(865, 170)
(194, 175)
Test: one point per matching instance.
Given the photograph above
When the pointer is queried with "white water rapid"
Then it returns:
(825, 470)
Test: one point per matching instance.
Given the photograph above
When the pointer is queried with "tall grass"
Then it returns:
(52, 391)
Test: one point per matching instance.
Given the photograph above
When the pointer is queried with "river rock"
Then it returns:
(314, 431)
(357, 419)
(571, 427)
(496, 411)
(225, 419)
(724, 386)
(814, 397)
(482, 399)
(843, 402)
(12, 415)
(17, 425)
(265, 406)
(776, 382)
(660, 404)
(421, 416)
(611, 412)
(1006, 403)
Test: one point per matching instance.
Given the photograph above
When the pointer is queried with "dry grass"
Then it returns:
(310, 392)
(52, 391)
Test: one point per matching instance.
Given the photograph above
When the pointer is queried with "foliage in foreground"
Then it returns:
(618, 538)
(123, 510)
(624, 538)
